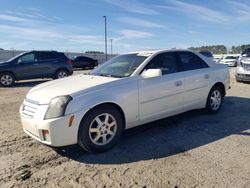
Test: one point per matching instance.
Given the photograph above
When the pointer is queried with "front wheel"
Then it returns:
(100, 129)
(214, 100)
(92, 66)
(7, 79)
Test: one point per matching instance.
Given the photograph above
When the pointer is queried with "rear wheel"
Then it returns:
(100, 129)
(61, 74)
(214, 100)
(7, 79)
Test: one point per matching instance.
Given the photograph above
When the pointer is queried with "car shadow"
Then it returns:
(171, 136)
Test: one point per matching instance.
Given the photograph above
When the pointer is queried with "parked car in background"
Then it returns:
(242, 72)
(126, 91)
(35, 64)
(229, 60)
(84, 62)
(207, 54)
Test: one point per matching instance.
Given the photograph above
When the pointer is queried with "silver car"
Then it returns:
(243, 67)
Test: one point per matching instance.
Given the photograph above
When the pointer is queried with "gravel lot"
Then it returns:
(193, 149)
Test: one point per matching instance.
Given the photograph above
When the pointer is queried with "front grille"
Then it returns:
(246, 66)
(29, 108)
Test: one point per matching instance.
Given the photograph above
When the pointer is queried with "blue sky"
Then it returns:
(78, 25)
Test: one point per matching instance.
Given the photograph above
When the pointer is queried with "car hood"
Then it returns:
(44, 92)
(245, 60)
(3, 63)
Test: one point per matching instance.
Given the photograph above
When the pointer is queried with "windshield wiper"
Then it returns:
(110, 75)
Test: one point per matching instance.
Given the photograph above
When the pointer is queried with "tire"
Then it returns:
(92, 66)
(7, 79)
(102, 122)
(214, 100)
(61, 74)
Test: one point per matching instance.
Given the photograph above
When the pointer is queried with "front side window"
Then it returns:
(120, 66)
(191, 61)
(27, 58)
(167, 62)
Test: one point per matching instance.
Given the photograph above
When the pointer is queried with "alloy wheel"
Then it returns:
(215, 100)
(6, 80)
(62, 74)
(102, 129)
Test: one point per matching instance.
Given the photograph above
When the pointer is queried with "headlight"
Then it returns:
(57, 107)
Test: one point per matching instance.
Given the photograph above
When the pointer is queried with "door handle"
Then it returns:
(178, 83)
(206, 76)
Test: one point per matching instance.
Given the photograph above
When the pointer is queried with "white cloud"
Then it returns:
(6, 17)
(140, 22)
(131, 34)
(133, 6)
(199, 12)
(83, 39)
(28, 33)
(242, 9)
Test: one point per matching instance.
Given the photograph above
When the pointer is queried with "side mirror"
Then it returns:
(151, 73)
(19, 60)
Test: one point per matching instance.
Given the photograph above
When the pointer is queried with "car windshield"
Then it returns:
(230, 57)
(11, 59)
(208, 54)
(120, 66)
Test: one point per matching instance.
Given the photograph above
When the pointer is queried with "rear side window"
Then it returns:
(167, 62)
(191, 61)
(46, 56)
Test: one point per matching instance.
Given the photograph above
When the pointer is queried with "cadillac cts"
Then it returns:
(128, 90)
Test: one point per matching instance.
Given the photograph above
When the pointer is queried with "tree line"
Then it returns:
(221, 49)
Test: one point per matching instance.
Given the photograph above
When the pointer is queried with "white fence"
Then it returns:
(7, 54)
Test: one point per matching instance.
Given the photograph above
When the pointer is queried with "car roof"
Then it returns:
(156, 51)
(53, 51)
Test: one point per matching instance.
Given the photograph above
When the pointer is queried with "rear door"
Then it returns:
(46, 63)
(197, 78)
(163, 95)
(86, 62)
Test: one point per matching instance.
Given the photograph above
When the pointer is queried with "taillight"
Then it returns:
(69, 62)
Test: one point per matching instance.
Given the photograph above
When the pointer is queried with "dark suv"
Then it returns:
(35, 64)
(84, 62)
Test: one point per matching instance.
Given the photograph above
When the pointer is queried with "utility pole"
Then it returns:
(111, 46)
(105, 22)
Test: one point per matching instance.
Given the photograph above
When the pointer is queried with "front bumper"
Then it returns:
(59, 131)
(230, 63)
(243, 77)
(242, 74)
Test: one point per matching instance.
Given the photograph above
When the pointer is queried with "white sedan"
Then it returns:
(127, 91)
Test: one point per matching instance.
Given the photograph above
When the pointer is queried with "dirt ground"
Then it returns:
(193, 149)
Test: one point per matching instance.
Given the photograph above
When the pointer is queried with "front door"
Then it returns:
(27, 66)
(164, 95)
